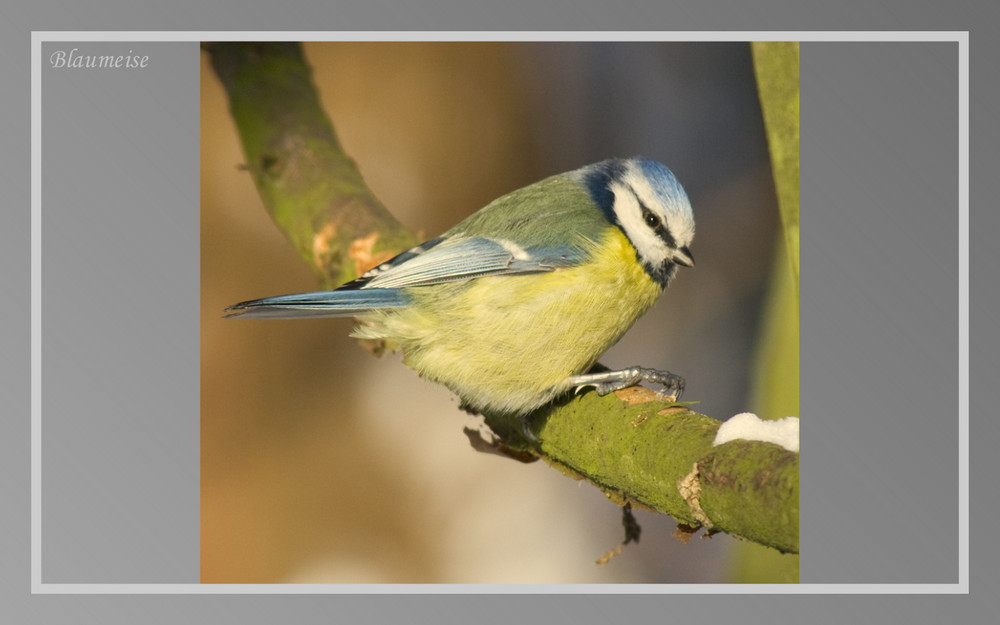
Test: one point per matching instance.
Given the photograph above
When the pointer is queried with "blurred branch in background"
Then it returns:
(776, 65)
(313, 191)
(646, 447)
(776, 392)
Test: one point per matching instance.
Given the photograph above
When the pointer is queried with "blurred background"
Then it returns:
(323, 464)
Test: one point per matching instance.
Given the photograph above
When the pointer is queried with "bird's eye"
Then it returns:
(651, 219)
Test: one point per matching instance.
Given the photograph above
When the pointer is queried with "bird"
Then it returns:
(512, 307)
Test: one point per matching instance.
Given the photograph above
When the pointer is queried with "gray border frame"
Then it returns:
(961, 587)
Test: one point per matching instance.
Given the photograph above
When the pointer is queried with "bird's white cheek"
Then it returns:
(651, 248)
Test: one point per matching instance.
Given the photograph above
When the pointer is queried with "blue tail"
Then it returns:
(342, 303)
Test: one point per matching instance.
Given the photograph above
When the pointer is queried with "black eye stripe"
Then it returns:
(653, 221)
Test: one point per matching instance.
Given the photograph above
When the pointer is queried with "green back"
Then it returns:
(552, 213)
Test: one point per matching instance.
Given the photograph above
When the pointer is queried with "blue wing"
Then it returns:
(438, 260)
(463, 258)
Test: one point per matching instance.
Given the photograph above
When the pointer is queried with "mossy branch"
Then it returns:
(632, 445)
(640, 449)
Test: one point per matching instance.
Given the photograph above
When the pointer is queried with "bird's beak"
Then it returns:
(683, 256)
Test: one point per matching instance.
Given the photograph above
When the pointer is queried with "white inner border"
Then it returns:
(960, 37)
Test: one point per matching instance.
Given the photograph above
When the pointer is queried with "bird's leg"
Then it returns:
(526, 428)
(605, 382)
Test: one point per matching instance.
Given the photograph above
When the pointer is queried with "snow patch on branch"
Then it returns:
(750, 427)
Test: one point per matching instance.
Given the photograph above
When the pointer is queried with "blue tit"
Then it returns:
(513, 306)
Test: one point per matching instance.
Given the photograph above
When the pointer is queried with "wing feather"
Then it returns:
(340, 303)
(463, 258)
